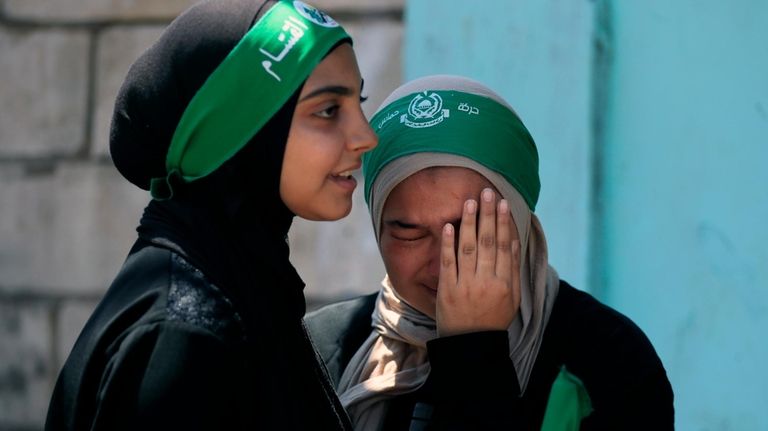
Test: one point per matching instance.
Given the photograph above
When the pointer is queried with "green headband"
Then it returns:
(255, 79)
(459, 123)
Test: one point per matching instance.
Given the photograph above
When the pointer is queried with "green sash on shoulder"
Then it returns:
(568, 404)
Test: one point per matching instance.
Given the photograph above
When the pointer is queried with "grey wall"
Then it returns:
(67, 218)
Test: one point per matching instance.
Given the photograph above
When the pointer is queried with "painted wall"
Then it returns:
(544, 75)
(652, 125)
(684, 236)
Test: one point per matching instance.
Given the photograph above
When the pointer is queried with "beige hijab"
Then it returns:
(393, 359)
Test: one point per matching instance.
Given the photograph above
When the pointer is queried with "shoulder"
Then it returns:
(336, 318)
(582, 320)
(338, 330)
(194, 300)
(160, 318)
(157, 286)
(611, 355)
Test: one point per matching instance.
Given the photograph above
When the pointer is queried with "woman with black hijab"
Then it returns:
(243, 114)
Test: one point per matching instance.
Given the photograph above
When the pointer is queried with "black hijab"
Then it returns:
(232, 224)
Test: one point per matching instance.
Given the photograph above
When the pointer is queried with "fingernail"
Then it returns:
(487, 195)
(471, 206)
(448, 228)
(503, 206)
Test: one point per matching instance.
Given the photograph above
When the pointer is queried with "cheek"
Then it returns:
(292, 187)
(304, 168)
(401, 259)
(312, 149)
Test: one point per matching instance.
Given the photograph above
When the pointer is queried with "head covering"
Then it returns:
(446, 120)
(478, 125)
(246, 88)
(230, 222)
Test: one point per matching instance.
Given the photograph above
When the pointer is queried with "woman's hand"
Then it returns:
(483, 293)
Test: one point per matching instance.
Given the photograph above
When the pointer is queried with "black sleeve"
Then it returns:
(474, 383)
(626, 381)
(171, 376)
(628, 386)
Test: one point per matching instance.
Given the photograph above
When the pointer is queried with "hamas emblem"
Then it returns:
(425, 110)
(314, 14)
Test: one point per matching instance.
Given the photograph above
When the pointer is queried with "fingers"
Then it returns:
(486, 234)
(479, 280)
(447, 277)
(467, 253)
(503, 241)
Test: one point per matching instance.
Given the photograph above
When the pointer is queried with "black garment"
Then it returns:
(202, 328)
(167, 350)
(473, 384)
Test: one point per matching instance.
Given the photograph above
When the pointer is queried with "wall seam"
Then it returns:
(602, 62)
(90, 93)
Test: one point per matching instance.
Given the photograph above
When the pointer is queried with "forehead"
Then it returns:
(338, 67)
(436, 192)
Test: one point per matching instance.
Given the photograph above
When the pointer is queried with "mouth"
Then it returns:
(347, 172)
(343, 175)
(344, 179)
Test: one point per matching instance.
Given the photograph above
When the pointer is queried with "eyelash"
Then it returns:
(325, 112)
(407, 239)
(334, 108)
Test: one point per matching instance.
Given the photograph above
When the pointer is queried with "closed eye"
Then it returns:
(409, 239)
(405, 231)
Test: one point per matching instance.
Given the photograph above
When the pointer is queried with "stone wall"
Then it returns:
(67, 217)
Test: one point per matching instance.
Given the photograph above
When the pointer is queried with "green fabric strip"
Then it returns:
(568, 404)
(257, 77)
(459, 123)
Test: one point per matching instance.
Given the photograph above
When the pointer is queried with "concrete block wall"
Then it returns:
(67, 218)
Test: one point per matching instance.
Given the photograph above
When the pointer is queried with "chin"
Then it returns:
(330, 213)
(345, 213)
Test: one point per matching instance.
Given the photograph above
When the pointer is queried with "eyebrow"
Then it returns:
(333, 89)
(400, 224)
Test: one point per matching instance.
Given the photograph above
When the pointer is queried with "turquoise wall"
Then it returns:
(544, 75)
(652, 125)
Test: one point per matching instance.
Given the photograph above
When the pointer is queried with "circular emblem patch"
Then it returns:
(314, 14)
(425, 110)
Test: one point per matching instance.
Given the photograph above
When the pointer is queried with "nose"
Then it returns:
(361, 137)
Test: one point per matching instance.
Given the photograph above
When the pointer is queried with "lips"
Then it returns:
(347, 172)
(345, 180)
(344, 175)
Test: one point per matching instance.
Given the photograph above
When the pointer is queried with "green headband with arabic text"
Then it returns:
(241, 95)
(455, 122)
